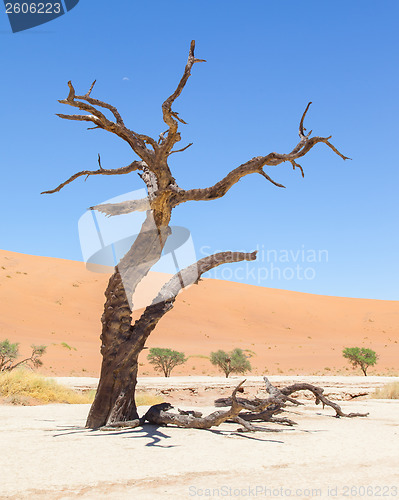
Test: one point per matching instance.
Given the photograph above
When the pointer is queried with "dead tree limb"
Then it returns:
(320, 398)
(160, 415)
(277, 401)
(166, 297)
(164, 417)
(89, 105)
(171, 118)
(256, 165)
(248, 427)
(136, 165)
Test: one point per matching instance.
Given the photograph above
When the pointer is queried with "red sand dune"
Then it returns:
(59, 303)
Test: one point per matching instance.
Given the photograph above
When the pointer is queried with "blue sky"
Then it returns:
(265, 61)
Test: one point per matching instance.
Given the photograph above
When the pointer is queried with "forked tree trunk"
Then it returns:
(122, 342)
(114, 401)
(115, 397)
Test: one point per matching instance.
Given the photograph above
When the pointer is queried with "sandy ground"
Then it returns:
(204, 390)
(47, 453)
(59, 303)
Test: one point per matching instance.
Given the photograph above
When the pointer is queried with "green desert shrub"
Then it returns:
(9, 353)
(165, 359)
(360, 356)
(234, 361)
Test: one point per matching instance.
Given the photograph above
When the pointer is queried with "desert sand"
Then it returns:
(59, 303)
(47, 453)
(204, 390)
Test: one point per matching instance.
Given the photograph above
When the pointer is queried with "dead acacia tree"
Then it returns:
(121, 340)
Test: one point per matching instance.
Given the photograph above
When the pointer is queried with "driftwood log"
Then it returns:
(159, 415)
(277, 401)
(256, 409)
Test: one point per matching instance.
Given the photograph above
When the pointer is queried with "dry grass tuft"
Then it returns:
(18, 385)
(389, 391)
(142, 398)
(148, 399)
(24, 387)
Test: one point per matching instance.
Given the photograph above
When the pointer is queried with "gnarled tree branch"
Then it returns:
(167, 295)
(189, 420)
(320, 398)
(171, 118)
(256, 165)
(265, 409)
(192, 273)
(136, 165)
(117, 127)
(182, 149)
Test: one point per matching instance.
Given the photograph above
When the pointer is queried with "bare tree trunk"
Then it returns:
(115, 397)
(114, 400)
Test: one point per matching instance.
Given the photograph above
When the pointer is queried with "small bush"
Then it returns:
(24, 383)
(165, 359)
(389, 391)
(360, 356)
(231, 362)
(9, 353)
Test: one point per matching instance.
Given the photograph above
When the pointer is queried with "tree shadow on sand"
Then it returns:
(154, 432)
(147, 431)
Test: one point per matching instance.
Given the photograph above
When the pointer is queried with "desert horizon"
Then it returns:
(59, 303)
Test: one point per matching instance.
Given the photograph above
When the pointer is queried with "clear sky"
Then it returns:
(265, 61)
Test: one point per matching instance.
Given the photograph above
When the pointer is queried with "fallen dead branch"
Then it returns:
(277, 401)
(264, 410)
